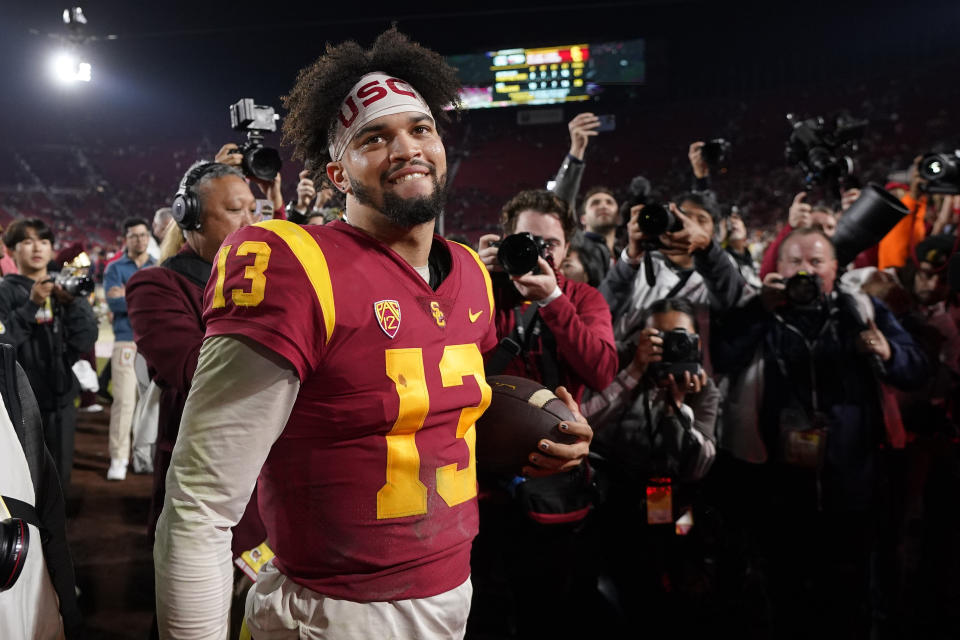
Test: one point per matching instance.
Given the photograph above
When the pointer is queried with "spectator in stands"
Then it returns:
(169, 301)
(805, 399)
(50, 329)
(137, 235)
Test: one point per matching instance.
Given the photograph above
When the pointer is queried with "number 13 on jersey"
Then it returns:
(254, 273)
(404, 494)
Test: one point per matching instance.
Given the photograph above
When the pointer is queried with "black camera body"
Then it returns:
(942, 172)
(715, 152)
(656, 219)
(803, 289)
(820, 151)
(258, 161)
(519, 253)
(681, 354)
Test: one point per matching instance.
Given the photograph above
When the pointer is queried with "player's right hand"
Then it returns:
(488, 254)
(306, 190)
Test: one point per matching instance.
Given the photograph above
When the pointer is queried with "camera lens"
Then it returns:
(518, 254)
(655, 220)
(262, 162)
(14, 542)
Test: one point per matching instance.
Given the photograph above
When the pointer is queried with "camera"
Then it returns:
(258, 161)
(681, 353)
(942, 172)
(656, 219)
(14, 543)
(519, 253)
(73, 277)
(803, 289)
(821, 150)
(715, 152)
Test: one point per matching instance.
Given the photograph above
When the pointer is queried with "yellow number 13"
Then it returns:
(404, 494)
(253, 273)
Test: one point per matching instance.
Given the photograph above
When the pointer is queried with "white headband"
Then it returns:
(375, 95)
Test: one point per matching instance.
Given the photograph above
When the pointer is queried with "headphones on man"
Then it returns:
(186, 204)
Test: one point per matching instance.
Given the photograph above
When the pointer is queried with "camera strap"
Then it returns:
(11, 508)
(527, 326)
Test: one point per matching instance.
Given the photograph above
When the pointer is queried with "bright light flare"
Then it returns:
(67, 69)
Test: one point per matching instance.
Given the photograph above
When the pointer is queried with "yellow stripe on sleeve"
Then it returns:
(314, 264)
(486, 278)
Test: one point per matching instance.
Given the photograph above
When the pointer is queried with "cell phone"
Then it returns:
(608, 122)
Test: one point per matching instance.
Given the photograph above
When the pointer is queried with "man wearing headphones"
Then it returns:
(214, 200)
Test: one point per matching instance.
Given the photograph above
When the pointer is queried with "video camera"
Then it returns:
(258, 161)
(820, 151)
(942, 172)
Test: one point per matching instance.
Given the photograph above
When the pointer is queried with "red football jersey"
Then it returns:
(370, 492)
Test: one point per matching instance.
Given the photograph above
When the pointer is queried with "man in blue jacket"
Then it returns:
(137, 236)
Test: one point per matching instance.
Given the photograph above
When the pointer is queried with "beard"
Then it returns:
(404, 212)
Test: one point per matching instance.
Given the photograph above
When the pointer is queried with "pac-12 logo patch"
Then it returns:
(388, 315)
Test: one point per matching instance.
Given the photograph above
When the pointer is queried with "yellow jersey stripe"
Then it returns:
(314, 264)
(486, 278)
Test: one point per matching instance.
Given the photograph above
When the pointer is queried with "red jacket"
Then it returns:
(581, 323)
(166, 309)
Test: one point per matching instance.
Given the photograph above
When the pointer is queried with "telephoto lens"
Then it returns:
(14, 542)
(518, 253)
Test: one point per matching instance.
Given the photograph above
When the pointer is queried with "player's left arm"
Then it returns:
(230, 422)
(554, 457)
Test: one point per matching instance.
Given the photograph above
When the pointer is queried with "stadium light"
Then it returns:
(67, 69)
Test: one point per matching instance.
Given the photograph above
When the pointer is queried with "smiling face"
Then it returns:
(395, 165)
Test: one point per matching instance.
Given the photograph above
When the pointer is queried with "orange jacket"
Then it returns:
(894, 249)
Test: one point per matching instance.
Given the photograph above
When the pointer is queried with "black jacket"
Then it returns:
(25, 416)
(46, 351)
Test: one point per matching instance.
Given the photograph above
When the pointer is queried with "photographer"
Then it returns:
(804, 418)
(655, 429)
(733, 238)
(168, 300)
(687, 263)
(50, 328)
(564, 325)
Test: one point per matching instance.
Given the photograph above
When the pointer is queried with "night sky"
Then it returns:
(177, 65)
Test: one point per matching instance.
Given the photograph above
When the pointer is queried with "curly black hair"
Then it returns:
(320, 89)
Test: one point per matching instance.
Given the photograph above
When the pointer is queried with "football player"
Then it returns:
(343, 366)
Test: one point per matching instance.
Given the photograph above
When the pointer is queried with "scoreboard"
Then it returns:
(546, 75)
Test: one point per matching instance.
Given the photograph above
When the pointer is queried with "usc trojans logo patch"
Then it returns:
(388, 315)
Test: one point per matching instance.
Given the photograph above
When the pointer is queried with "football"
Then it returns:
(521, 413)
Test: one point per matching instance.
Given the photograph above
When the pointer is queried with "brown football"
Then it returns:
(521, 413)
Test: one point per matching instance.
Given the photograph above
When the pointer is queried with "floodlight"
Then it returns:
(67, 69)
